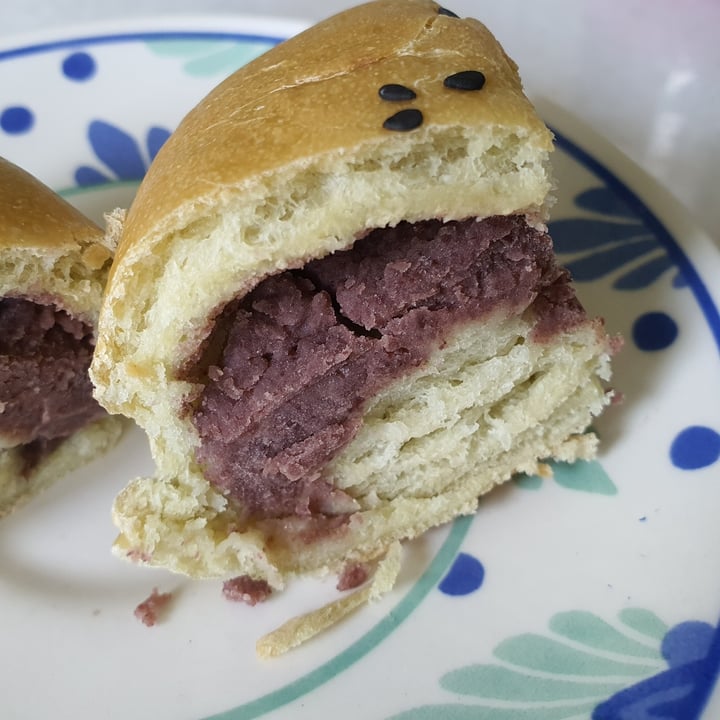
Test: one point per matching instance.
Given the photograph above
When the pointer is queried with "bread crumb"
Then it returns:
(246, 589)
(300, 629)
(353, 575)
(150, 609)
(114, 222)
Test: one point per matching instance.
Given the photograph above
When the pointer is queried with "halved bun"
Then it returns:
(297, 158)
(51, 256)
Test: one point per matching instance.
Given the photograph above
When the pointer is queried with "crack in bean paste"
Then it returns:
(294, 361)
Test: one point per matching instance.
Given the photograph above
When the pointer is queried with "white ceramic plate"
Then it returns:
(595, 594)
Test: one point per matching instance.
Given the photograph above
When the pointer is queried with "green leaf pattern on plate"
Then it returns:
(644, 622)
(502, 683)
(594, 632)
(584, 475)
(209, 57)
(473, 712)
(559, 675)
(537, 652)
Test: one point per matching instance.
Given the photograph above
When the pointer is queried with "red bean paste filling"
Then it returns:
(45, 390)
(297, 358)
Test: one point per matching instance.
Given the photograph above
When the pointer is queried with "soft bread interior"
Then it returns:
(489, 404)
(72, 281)
(281, 221)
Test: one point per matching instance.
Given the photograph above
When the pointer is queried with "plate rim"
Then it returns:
(218, 25)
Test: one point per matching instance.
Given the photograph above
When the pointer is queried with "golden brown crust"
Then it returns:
(33, 216)
(48, 248)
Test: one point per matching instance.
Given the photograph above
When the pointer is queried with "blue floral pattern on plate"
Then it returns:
(615, 241)
(118, 151)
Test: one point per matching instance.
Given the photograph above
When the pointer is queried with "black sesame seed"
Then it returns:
(396, 93)
(404, 120)
(445, 11)
(465, 80)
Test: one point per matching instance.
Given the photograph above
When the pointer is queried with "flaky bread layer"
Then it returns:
(490, 404)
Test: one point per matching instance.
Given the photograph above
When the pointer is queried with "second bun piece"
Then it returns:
(53, 268)
(334, 307)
